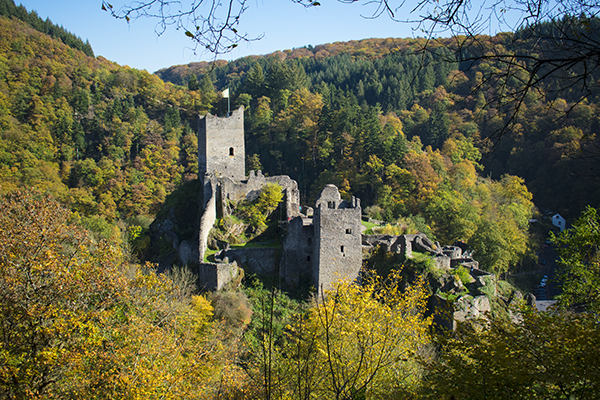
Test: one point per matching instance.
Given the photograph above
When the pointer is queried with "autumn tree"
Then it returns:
(55, 288)
(357, 341)
(549, 355)
(257, 212)
(579, 262)
(501, 237)
(77, 321)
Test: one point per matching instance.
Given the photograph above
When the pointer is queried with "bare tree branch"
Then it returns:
(212, 25)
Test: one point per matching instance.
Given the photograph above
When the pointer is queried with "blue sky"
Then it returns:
(285, 25)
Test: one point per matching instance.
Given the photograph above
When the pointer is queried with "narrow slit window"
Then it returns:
(349, 231)
(307, 258)
(342, 248)
(231, 151)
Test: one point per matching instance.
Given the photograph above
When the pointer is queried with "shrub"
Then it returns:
(462, 273)
(232, 308)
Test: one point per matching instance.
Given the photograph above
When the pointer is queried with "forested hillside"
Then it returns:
(109, 141)
(91, 152)
(400, 128)
(549, 142)
(380, 122)
(10, 10)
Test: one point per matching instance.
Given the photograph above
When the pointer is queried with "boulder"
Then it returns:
(468, 307)
(448, 283)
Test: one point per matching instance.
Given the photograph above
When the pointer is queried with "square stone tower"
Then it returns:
(337, 239)
(221, 150)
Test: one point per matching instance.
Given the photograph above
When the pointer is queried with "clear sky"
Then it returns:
(285, 25)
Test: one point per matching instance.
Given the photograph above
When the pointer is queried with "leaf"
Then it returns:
(190, 34)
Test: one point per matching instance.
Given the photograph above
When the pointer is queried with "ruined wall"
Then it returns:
(250, 188)
(214, 276)
(298, 247)
(255, 260)
(338, 250)
(209, 216)
(217, 192)
(221, 149)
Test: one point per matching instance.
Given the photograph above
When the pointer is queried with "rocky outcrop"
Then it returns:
(446, 257)
(448, 313)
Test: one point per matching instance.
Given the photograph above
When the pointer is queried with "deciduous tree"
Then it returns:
(545, 356)
(579, 252)
(359, 341)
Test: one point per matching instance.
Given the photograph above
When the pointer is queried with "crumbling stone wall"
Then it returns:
(298, 248)
(214, 276)
(250, 188)
(255, 260)
(209, 216)
(446, 257)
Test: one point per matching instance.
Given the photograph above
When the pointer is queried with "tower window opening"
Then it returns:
(331, 204)
(231, 151)
(307, 258)
(349, 231)
(342, 248)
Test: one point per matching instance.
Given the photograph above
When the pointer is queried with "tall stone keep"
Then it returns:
(221, 149)
(337, 238)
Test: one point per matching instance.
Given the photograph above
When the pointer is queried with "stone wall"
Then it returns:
(250, 188)
(214, 276)
(255, 260)
(298, 248)
(221, 149)
(209, 216)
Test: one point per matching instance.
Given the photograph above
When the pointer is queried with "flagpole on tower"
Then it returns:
(226, 94)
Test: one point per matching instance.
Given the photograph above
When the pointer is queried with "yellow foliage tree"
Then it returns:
(357, 341)
(550, 355)
(76, 321)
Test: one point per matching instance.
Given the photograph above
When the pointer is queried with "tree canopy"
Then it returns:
(579, 252)
(548, 41)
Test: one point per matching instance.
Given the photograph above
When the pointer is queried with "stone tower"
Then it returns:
(221, 149)
(337, 239)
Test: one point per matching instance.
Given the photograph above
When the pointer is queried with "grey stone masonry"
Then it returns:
(250, 188)
(298, 248)
(324, 249)
(221, 150)
(338, 250)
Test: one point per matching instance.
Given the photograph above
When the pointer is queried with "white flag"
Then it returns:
(226, 93)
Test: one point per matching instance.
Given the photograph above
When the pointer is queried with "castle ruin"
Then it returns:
(322, 247)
